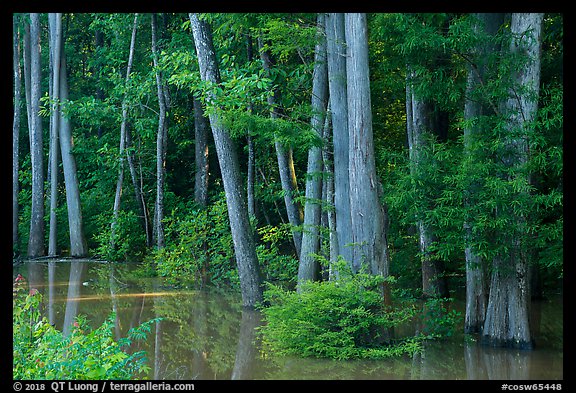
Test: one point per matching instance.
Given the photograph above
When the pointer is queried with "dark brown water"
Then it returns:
(207, 334)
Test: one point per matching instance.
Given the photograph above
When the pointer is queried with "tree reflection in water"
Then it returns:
(207, 334)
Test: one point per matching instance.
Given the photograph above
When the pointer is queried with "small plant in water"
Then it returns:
(40, 351)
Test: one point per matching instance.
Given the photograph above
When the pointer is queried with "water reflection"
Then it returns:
(208, 335)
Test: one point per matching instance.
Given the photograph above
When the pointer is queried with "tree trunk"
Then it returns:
(418, 126)
(329, 199)
(366, 211)
(78, 246)
(242, 236)
(36, 239)
(123, 138)
(55, 23)
(16, 129)
(285, 163)
(201, 130)
(336, 55)
(476, 280)
(308, 267)
(161, 140)
(507, 317)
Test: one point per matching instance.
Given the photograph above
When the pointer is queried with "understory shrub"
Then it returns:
(41, 351)
(342, 319)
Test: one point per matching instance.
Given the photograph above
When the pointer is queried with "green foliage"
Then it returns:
(439, 321)
(42, 352)
(126, 242)
(341, 319)
(275, 265)
(199, 246)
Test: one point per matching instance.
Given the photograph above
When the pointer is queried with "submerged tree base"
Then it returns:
(506, 343)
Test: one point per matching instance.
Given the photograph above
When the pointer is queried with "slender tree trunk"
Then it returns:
(242, 236)
(285, 163)
(55, 22)
(201, 130)
(36, 239)
(327, 151)
(507, 317)
(123, 138)
(78, 246)
(336, 54)
(161, 140)
(367, 213)
(418, 120)
(138, 185)
(251, 168)
(308, 267)
(16, 128)
(476, 269)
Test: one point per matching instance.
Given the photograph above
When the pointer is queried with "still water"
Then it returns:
(207, 335)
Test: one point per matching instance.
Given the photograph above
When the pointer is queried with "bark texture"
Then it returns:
(507, 317)
(336, 56)
(308, 266)
(242, 236)
(366, 211)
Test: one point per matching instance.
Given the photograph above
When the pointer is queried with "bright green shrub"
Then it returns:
(40, 351)
(335, 319)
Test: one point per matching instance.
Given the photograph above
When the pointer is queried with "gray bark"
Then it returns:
(366, 211)
(507, 317)
(161, 140)
(16, 69)
(419, 126)
(308, 267)
(328, 197)
(336, 56)
(36, 239)
(78, 246)
(123, 139)
(476, 279)
(242, 236)
(285, 163)
(55, 23)
(201, 130)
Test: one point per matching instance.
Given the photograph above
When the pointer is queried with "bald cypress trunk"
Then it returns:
(367, 213)
(242, 236)
(36, 239)
(507, 317)
(336, 56)
(307, 268)
(16, 128)
(419, 125)
(475, 107)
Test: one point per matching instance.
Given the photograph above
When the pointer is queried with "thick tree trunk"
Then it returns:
(367, 213)
(242, 236)
(16, 129)
(161, 140)
(476, 279)
(78, 246)
(507, 317)
(285, 163)
(336, 54)
(201, 130)
(308, 267)
(36, 239)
